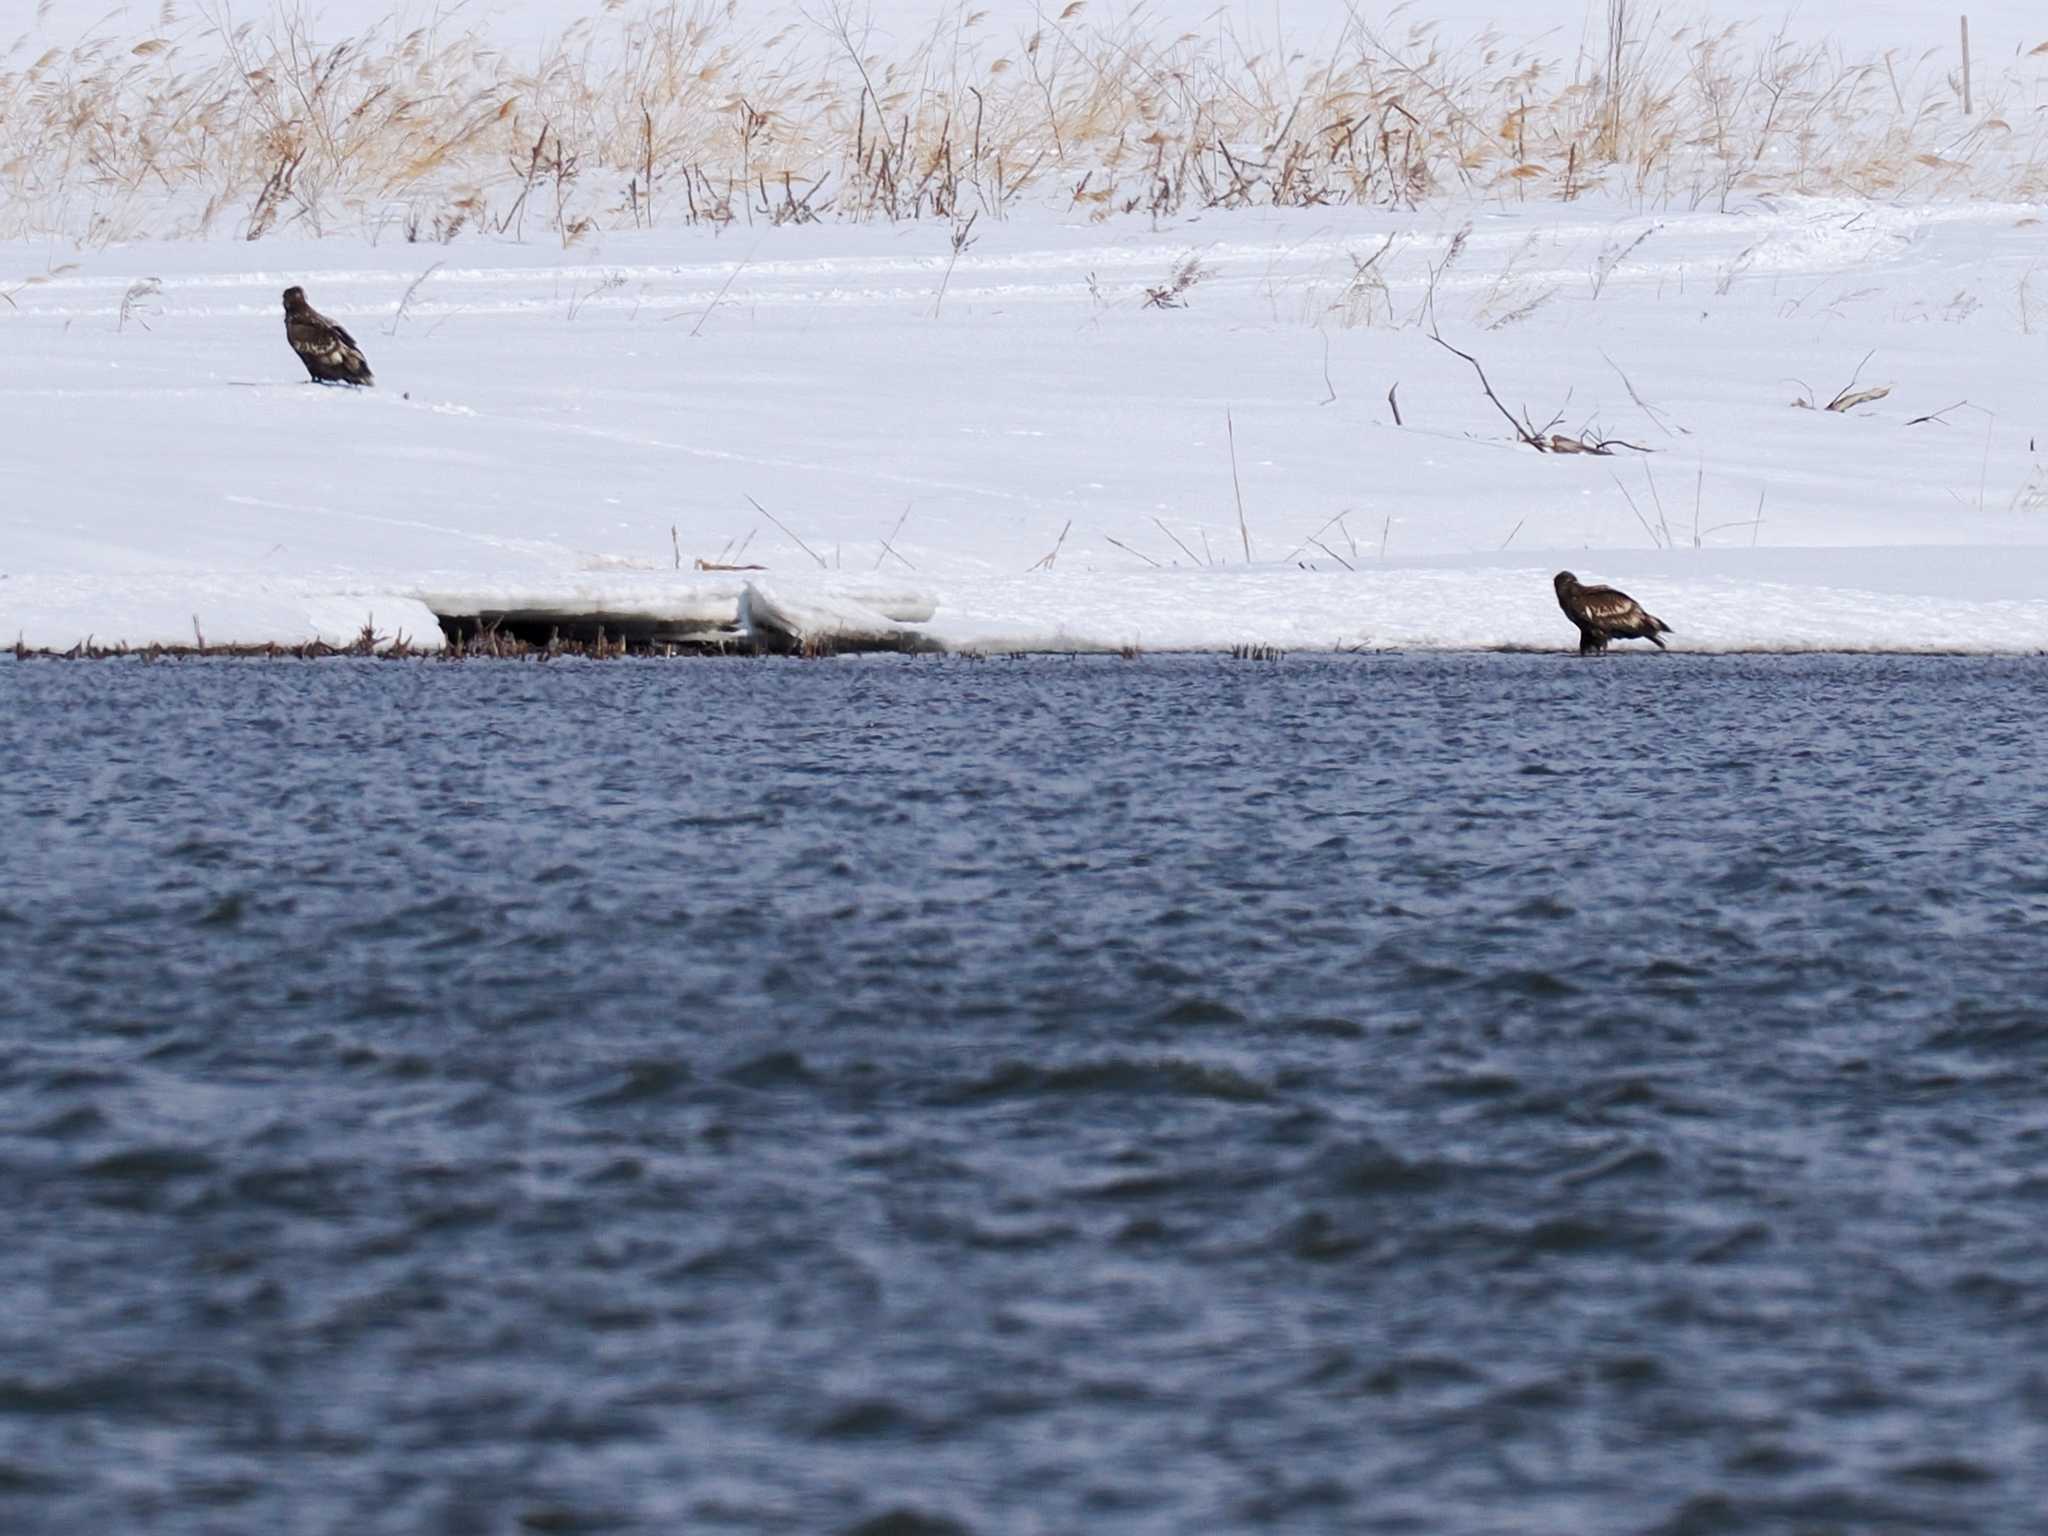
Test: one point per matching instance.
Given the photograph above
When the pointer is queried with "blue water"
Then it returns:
(1460, 1095)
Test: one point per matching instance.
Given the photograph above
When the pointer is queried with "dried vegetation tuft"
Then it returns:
(687, 111)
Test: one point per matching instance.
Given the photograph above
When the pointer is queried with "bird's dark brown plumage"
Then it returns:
(1603, 614)
(330, 354)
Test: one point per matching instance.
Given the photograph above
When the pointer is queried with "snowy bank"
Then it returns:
(1864, 600)
(1015, 450)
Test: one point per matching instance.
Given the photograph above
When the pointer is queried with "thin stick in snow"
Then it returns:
(1120, 544)
(406, 302)
(800, 544)
(722, 292)
(1319, 544)
(1047, 563)
(1966, 66)
(1984, 474)
(1663, 522)
(1394, 403)
(1385, 528)
(1176, 539)
(676, 544)
(961, 240)
(889, 544)
(1243, 531)
(1748, 522)
(1654, 543)
(1850, 396)
(1656, 416)
(1522, 433)
(1332, 388)
(1289, 559)
(1504, 543)
(1937, 415)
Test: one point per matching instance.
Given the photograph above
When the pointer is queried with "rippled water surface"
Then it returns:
(1467, 1095)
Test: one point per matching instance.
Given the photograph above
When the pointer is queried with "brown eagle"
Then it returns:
(330, 354)
(1604, 614)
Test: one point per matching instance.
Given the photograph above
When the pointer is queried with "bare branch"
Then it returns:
(1523, 432)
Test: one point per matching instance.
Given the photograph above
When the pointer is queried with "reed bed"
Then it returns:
(688, 112)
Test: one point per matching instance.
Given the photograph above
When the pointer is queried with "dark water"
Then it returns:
(1473, 1095)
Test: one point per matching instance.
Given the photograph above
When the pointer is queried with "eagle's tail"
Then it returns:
(1657, 627)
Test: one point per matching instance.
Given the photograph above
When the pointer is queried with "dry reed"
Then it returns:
(684, 111)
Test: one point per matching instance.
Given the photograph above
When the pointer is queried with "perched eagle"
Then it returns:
(330, 354)
(1604, 614)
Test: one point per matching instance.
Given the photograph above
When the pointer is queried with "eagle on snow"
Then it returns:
(330, 354)
(1604, 614)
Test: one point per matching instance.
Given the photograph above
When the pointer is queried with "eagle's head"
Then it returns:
(1564, 581)
(294, 298)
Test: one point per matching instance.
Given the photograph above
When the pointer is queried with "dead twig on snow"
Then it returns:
(1120, 544)
(1176, 539)
(889, 544)
(405, 302)
(1243, 531)
(1939, 415)
(1047, 563)
(1848, 397)
(800, 544)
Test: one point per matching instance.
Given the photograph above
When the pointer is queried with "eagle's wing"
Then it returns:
(1608, 608)
(320, 341)
(317, 335)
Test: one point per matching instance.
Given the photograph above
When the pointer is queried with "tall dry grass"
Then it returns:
(685, 111)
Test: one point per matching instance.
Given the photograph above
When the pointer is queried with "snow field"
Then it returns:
(561, 431)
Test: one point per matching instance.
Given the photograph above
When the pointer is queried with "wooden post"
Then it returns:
(1966, 66)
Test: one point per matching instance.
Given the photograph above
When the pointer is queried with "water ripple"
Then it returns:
(912, 1098)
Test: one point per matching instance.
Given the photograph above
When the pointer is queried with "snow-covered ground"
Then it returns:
(1017, 443)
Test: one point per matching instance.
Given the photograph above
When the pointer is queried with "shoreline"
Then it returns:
(317, 651)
